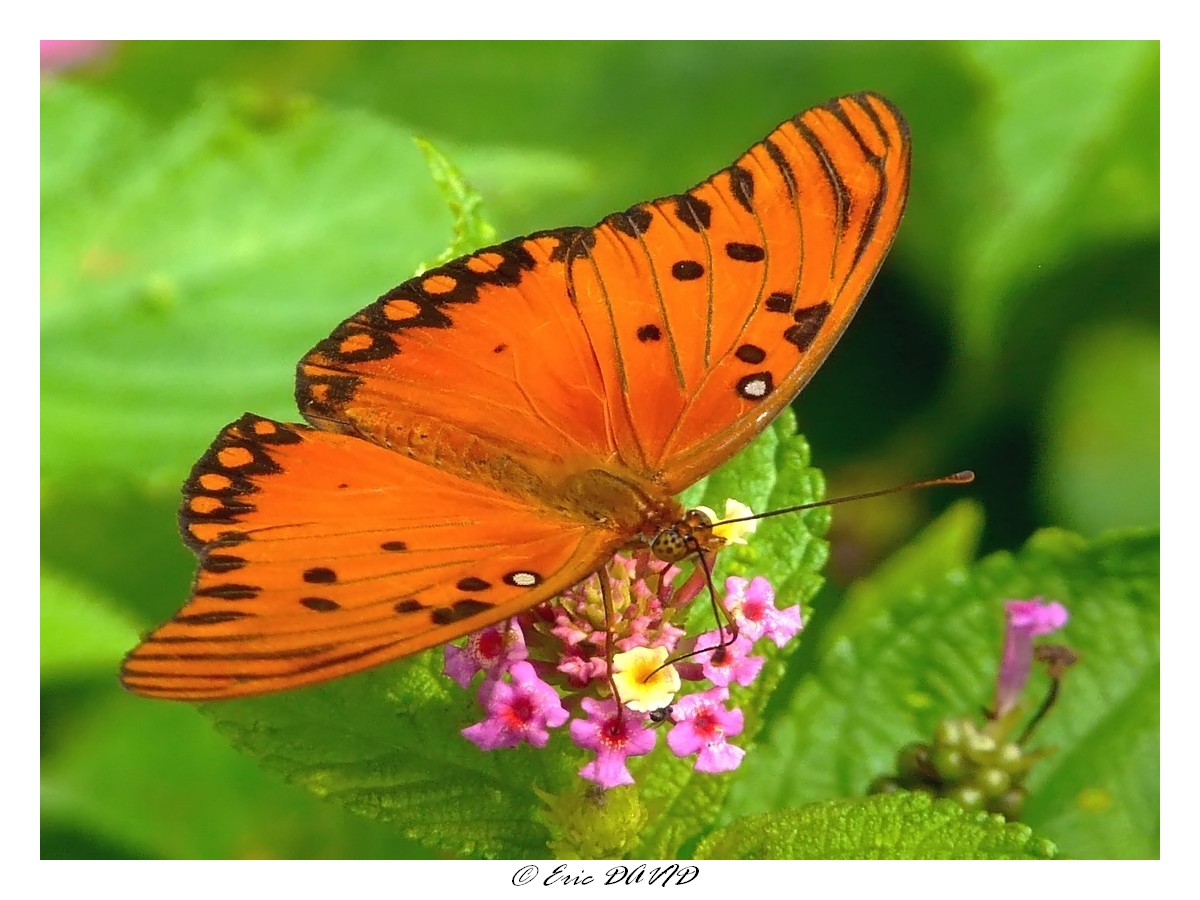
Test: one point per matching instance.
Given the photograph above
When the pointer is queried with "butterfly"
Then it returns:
(489, 433)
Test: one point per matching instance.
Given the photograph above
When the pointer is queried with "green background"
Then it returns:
(211, 210)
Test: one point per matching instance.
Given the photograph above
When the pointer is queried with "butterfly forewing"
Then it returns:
(723, 302)
(486, 347)
(659, 342)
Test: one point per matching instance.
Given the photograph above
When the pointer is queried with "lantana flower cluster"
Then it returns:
(548, 667)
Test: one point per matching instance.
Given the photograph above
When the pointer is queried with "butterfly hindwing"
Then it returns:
(322, 555)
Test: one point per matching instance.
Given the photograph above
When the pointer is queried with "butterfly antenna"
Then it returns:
(964, 477)
(723, 620)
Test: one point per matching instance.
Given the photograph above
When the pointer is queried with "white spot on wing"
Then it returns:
(755, 387)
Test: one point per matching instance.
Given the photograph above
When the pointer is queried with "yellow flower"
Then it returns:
(640, 690)
(733, 533)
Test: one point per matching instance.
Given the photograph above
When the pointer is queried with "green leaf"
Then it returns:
(897, 826)
(950, 542)
(150, 779)
(1100, 467)
(185, 271)
(1072, 148)
(386, 744)
(895, 662)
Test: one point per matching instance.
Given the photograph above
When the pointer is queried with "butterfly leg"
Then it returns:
(724, 621)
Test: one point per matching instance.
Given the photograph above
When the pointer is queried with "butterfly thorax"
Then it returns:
(618, 501)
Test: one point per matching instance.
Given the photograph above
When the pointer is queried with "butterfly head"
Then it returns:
(691, 535)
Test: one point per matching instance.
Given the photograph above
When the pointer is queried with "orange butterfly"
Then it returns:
(491, 432)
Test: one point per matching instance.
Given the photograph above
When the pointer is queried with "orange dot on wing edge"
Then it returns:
(235, 457)
(438, 284)
(214, 481)
(203, 532)
(355, 342)
(401, 310)
(485, 262)
(204, 505)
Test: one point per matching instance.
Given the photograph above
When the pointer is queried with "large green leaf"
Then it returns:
(1073, 157)
(900, 826)
(183, 273)
(900, 657)
(143, 779)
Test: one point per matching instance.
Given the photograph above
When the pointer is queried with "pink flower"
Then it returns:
(491, 650)
(614, 736)
(752, 605)
(1027, 619)
(702, 725)
(732, 662)
(634, 624)
(580, 670)
(520, 711)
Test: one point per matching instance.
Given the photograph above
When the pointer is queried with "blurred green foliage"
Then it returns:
(211, 210)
